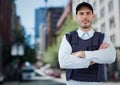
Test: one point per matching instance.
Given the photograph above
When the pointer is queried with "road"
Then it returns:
(45, 82)
(38, 82)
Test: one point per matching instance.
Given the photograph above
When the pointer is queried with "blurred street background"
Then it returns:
(31, 33)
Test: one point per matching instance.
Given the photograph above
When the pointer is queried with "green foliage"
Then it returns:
(29, 55)
(68, 26)
(51, 55)
(18, 36)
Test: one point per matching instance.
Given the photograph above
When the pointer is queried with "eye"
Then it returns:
(80, 13)
(89, 13)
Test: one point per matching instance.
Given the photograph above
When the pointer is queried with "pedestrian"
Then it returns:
(84, 52)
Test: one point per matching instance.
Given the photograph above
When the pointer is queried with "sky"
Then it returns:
(26, 10)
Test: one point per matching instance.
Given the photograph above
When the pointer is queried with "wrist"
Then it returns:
(82, 54)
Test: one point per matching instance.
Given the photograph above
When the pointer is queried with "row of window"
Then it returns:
(102, 11)
(102, 14)
(111, 23)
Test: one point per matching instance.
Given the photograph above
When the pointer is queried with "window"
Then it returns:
(110, 6)
(112, 38)
(95, 29)
(103, 27)
(112, 23)
(102, 12)
(94, 5)
(87, 0)
(101, 1)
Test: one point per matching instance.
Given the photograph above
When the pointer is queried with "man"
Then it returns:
(84, 52)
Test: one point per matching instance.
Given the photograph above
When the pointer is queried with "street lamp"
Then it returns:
(17, 50)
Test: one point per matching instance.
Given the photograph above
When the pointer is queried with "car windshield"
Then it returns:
(28, 70)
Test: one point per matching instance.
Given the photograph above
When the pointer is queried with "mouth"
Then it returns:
(85, 21)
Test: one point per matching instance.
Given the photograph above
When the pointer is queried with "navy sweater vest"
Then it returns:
(95, 72)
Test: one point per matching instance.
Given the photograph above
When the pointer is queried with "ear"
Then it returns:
(94, 16)
(76, 17)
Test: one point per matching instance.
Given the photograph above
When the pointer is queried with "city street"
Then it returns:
(48, 80)
(38, 82)
(45, 82)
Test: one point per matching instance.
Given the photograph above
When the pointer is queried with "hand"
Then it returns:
(76, 54)
(80, 54)
(91, 62)
(103, 46)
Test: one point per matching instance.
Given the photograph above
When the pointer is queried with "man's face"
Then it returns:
(85, 17)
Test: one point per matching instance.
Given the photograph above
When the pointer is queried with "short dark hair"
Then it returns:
(84, 4)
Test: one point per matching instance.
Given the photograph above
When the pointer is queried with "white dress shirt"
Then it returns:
(69, 61)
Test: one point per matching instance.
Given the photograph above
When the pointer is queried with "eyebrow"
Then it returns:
(85, 11)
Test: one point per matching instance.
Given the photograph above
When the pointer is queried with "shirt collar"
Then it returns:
(90, 32)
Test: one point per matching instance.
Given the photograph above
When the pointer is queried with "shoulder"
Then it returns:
(99, 33)
(104, 36)
(71, 32)
(69, 35)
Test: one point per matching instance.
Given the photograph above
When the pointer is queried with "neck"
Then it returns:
(85, 30)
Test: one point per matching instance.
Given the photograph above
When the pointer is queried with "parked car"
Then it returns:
(27, 73)
(56, 75)
(2, 78)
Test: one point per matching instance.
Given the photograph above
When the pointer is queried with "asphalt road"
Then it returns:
(38, 82)
(47, 82)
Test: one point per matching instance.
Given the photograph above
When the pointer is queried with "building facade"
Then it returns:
(52, 17)
(107, 21)
(5, 32)
(39, 19)
(41, 42)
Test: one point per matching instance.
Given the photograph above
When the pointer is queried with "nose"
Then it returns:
(85, 16)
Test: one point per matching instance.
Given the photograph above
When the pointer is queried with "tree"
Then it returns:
(51, 55)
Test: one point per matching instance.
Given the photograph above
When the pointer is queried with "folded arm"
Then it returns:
(69, 61)
(105, 54)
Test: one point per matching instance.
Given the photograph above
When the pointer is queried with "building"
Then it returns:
(9, 22)
(5, 32)
(107, 21)
(52, 16)
(41, 42)
(63, 17)
(107, 17)
(40, 23)
(39, 19)
(5, 20)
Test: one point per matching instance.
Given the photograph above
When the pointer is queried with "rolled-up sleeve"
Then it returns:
(68, 61)
(103, 56)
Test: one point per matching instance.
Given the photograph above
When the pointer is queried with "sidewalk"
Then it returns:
(112, 83)
(63, 78)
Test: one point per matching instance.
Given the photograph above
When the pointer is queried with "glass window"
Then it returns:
(112, 23)
(112, 38)
(102, 12)
(103, 27)
(94, 5)
(96, 29)
(87, 0)
(101, 1)
(110, 5)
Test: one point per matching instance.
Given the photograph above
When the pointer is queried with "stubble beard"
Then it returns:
(85, 26)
